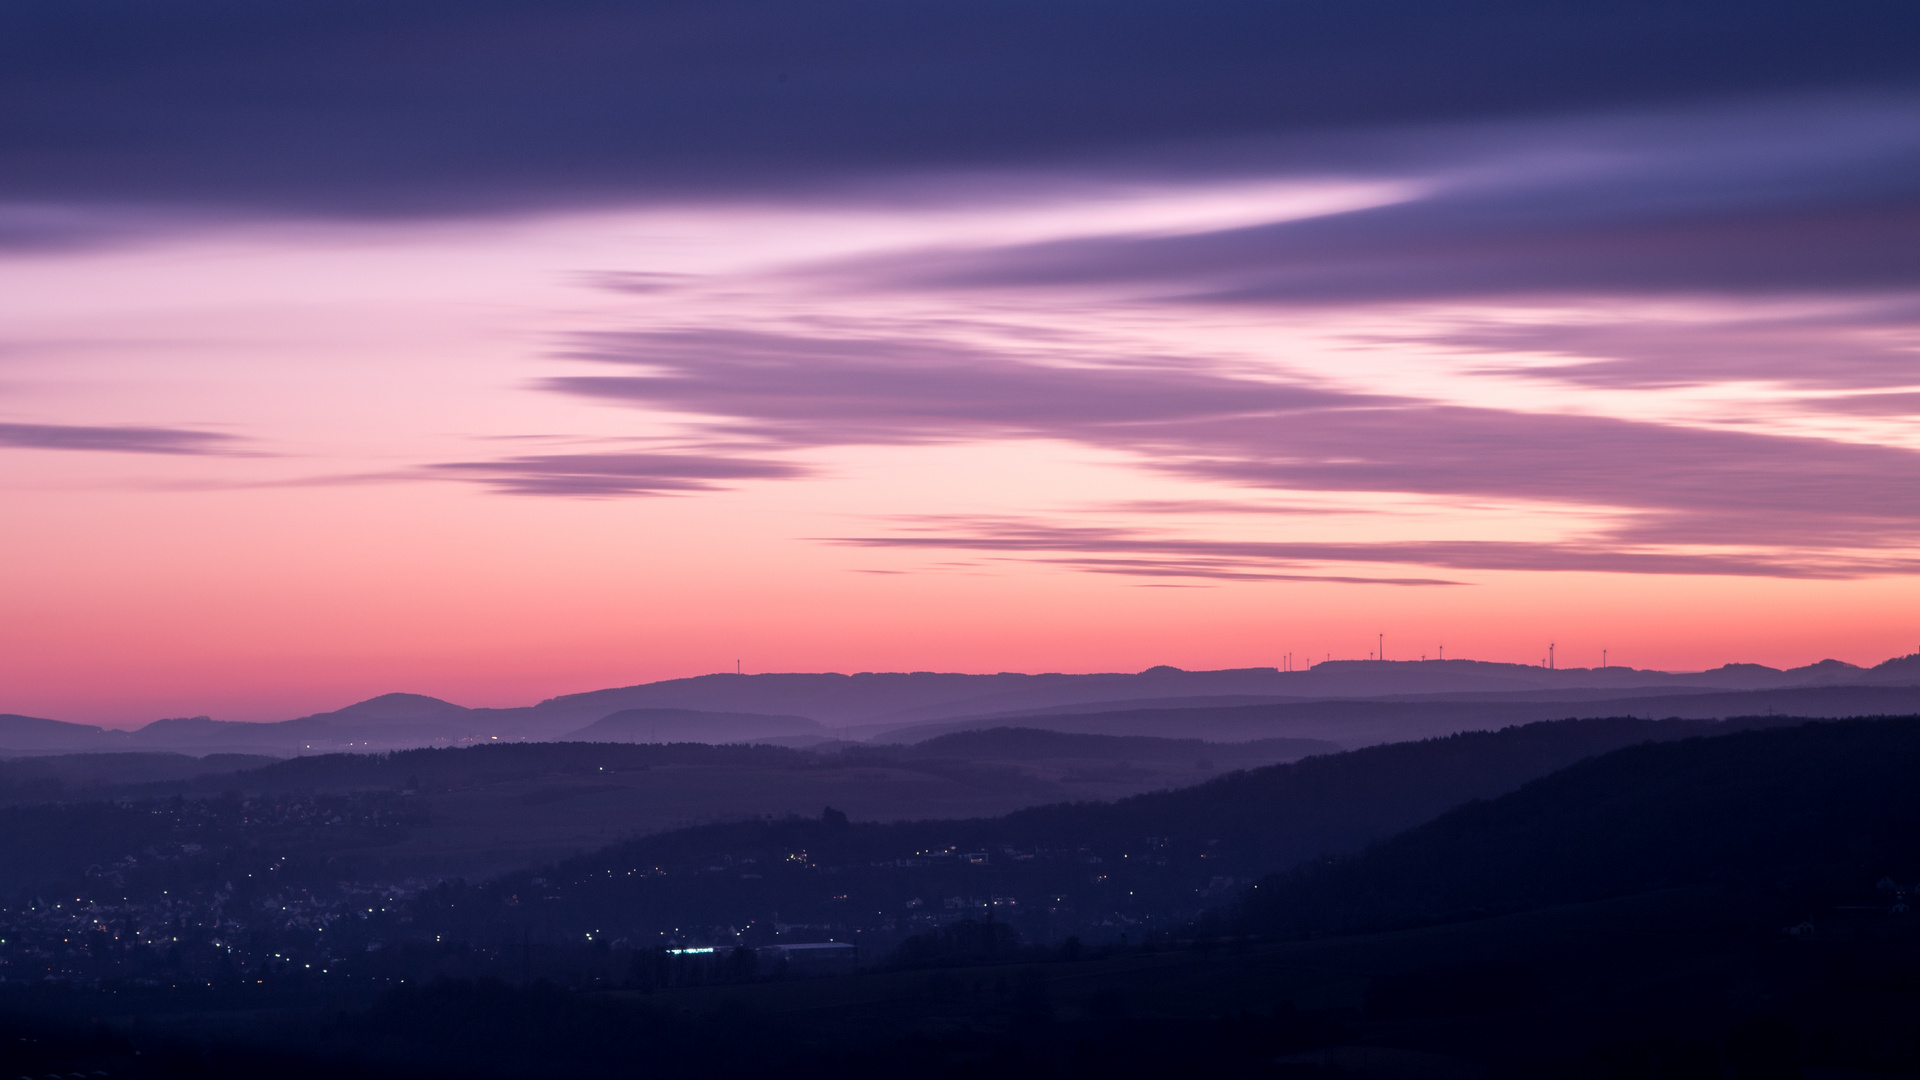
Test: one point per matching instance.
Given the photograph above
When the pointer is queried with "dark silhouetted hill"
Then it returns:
(51, 777)
(459, 767)
(1284, 814)
(1817, 812)
(33, 734)
(873, 701)
(1151, 855)
(1364, 722)
(1352, 702)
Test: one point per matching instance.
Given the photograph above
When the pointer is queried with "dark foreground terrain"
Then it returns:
(1587, 898)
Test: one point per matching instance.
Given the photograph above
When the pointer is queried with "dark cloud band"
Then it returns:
(438, 106)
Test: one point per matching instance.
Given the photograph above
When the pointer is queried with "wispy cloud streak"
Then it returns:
(1667, 484)
(118, 440)
(611, 474)
(1131, 551)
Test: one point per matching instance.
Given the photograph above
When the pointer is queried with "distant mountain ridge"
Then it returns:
(1353, 702)
(1357, 722)
(876, 698)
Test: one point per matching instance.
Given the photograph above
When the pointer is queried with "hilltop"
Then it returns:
(1348, 702)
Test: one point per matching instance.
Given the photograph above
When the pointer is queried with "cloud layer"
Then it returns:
(438, 106)
(1678, 499)
(1771, 197)
(1741, 183)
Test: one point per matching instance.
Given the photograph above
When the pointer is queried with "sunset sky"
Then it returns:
(495, 350)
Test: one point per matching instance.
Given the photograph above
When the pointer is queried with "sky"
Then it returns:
(494, 349)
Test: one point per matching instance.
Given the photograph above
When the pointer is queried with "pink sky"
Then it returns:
(258, 469)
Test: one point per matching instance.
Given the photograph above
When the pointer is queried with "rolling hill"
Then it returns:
(1352, 703)
(1814, 813)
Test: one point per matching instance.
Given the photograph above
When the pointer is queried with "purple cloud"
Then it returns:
(119, 440)
(1424, 253)
(591, 475)
(1688, 485)
(1670, 222)
(1857, 349)
(818, 391)
(1798, 505)
(437, 106)
(1814, 199)
(1130, 551)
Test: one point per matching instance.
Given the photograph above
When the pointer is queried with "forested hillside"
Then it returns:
(1814, 815)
